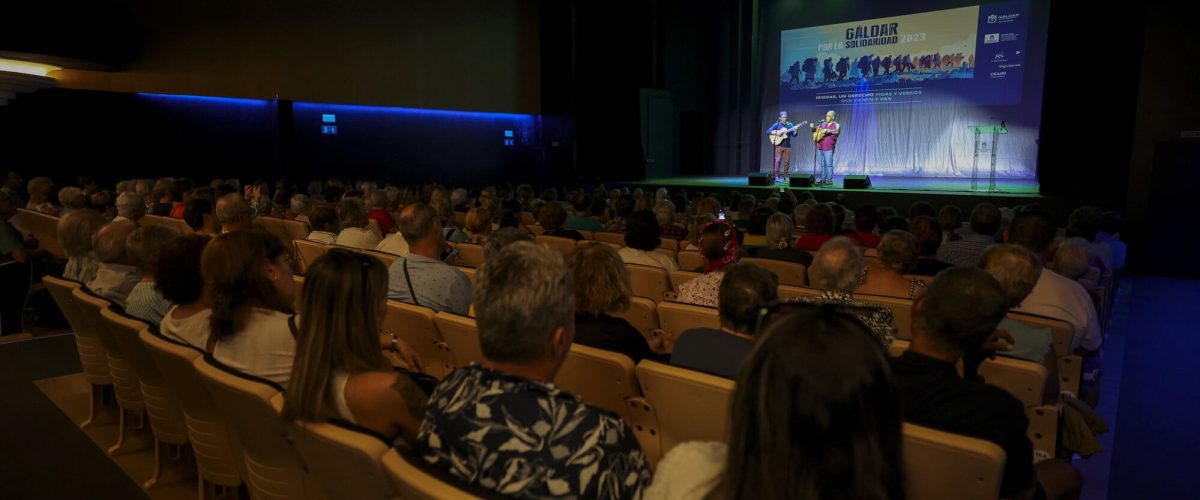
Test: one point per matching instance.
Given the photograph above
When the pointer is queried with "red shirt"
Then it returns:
(673, 232)
(812, 242)
(384, 219)
(830, 140)
(177, 210)
(864, 239)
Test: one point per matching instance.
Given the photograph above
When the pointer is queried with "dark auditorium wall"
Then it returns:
(1164, 169)
(466, 55)
(112, 136)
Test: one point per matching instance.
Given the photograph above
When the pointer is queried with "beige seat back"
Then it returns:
(386, 258)
(687, 405)
(42, 226)
(126, 384)
(642, 314)
(942, 465)
(675, 318)
(471, 254)
(788, 292)
(347, 462)
(294, 229)
(166, 415)
(87, 341)
(602, 378)
(689, 260)
(564, 245)
(649, 281)
(218, 453)
(412, 483)
(171, 222)
(607, 237)
(789, 273)
(307, 252)
(1025, 380)
(462, 336)
(253, 406)
(416, 326)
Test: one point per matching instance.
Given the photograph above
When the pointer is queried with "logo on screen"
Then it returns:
(999, 56)
(992, 19)
(991, 38)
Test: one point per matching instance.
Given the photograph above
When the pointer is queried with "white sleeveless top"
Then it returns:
(339, 395)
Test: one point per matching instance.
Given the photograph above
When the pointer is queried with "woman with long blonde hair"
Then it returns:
(340, 371)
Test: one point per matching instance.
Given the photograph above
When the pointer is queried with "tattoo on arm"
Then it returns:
(414, 399)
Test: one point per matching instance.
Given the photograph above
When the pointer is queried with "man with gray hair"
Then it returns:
(233, 213)
(129, 207)
(421, 277)
(1017, 270)
(458, 200)
(1073, 259)
(71, 198)
(837, 270)
(116, 276)
(487, 424)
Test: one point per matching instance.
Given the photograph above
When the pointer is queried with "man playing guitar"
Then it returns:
(780, 134)
(825, 135)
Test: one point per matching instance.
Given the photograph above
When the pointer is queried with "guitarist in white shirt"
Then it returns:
(780, 134)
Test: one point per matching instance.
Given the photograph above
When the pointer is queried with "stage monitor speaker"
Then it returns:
(760, 179)
(801, 181)
(856, 182)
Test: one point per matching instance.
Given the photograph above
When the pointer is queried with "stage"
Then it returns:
(1023, 188)
(899, 192)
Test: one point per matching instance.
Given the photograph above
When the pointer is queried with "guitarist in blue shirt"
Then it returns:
(780, 134)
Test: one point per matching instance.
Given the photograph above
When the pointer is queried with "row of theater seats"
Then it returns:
(230, 421)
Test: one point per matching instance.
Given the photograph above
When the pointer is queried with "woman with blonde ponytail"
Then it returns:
(779, 242)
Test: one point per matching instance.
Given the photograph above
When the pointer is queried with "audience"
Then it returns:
(501, 238)
(298, 208)
(129, 207)
(814, 415)
(323, 220)
(949, 220)
(340, 371)
(75, 233)
(1073, 258)
(420, 277)
(745, 291)
(12, 187)
(864, 227)
(551, 218)
(1054, 295)
(233, 213)
(39, 189)
(957, 314)
(929, 237)
(477, 424)
(779, 242)
(642, 239)
(819, 228)
(479, 225)
(985, 222)
(837, 271)
(250, 290)
(601, 290)
(115, 275)
(352, 217)
(719, 247)
(145, 246)
(177, 276)
(897, 257)
(13, 245)
(379, 211)
(72, 199)
(198, 214)
(664, 213)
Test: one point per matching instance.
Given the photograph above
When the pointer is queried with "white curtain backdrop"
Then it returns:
(912, 140)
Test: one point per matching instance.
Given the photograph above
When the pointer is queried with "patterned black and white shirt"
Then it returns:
(878, 318)
(526, 439)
